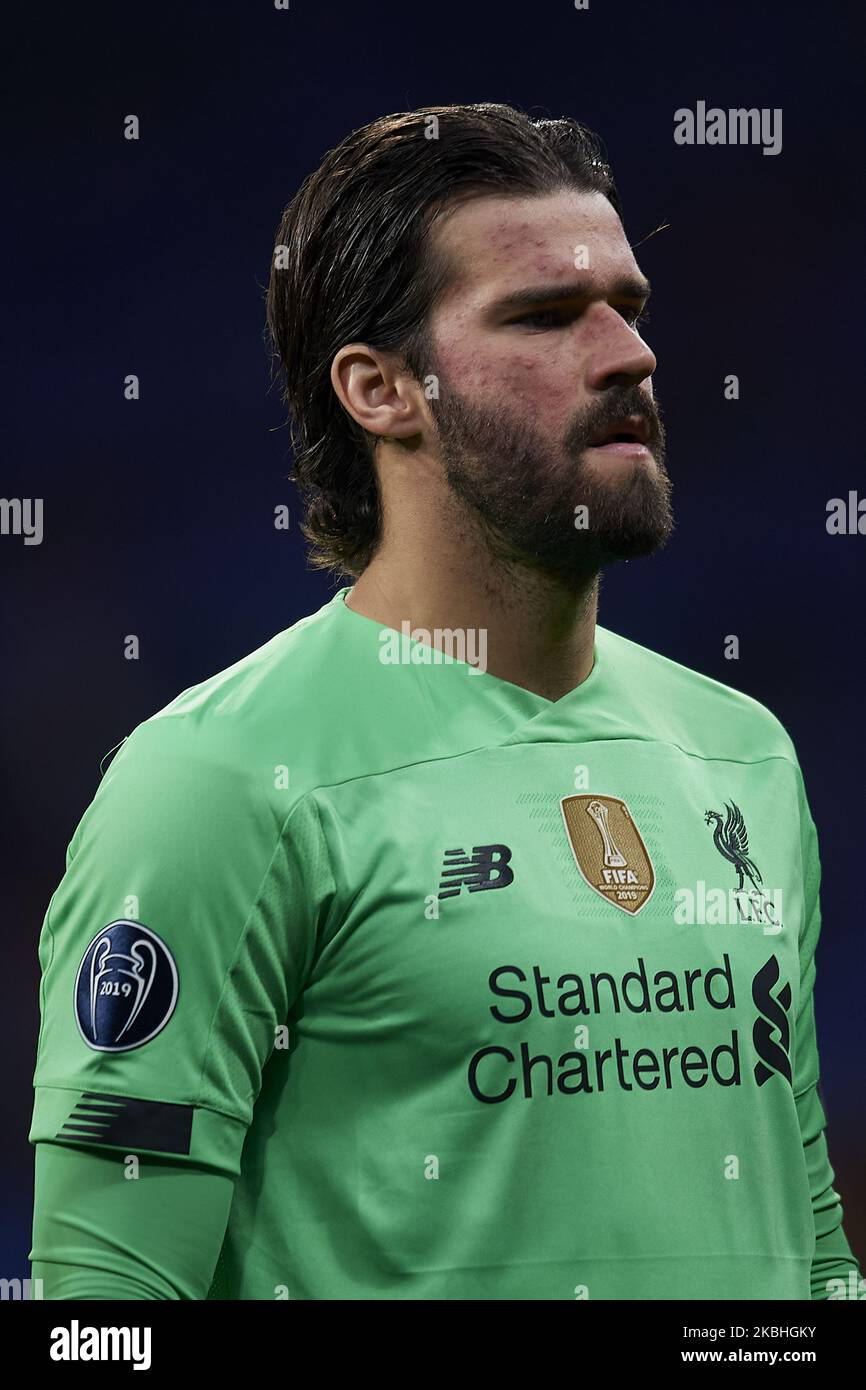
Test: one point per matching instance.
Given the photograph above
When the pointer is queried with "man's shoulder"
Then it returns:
(253, 722)
(699, 713)
(291, 666)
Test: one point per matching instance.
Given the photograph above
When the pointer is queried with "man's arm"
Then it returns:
(100, 1233)
(172, 951)
(833, 1258)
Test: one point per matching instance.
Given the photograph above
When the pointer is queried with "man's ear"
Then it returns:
(378, 391)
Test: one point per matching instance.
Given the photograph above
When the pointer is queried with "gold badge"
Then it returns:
(608, 850)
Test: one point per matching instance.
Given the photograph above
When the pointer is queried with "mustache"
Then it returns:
(615, 406)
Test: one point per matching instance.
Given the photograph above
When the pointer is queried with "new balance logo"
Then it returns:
(485, 867)
(773, 1010)
(97, 1118)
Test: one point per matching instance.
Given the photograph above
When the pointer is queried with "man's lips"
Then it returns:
(630, 435)
(620, 446)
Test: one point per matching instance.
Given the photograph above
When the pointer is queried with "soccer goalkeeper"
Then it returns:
(381, 967)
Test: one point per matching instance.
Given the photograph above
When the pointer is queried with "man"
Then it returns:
(381, 961)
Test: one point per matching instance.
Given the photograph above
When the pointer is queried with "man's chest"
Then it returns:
(620, 890)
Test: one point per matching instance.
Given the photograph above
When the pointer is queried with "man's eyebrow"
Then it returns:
(627, 287)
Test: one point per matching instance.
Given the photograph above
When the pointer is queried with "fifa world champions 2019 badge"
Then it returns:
(609, 850)
(126, 988)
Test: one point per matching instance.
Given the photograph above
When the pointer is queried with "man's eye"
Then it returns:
(558, 318)
(545, 318)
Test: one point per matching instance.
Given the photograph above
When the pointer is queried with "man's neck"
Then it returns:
(538, 635)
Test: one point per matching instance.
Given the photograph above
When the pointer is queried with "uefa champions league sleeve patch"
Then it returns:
(126, 988)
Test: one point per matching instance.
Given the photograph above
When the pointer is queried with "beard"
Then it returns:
(523, 491)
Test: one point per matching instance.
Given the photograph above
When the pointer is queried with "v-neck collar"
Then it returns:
(508, 705)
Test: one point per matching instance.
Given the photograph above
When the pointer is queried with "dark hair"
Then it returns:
(353, 263)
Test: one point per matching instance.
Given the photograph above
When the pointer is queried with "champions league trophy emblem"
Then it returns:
(612, 857)
(126, 987)
(115, 976)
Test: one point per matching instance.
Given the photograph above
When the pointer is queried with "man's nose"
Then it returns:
(618, 355)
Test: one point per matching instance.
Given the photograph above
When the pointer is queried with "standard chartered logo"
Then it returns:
(515, 1068)
(771, 1034)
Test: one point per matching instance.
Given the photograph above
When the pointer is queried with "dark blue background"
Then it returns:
(152, 257)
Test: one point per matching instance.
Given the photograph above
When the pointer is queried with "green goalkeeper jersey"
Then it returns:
(478, 995)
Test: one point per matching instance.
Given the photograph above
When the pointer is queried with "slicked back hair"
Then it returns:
(353, 262)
